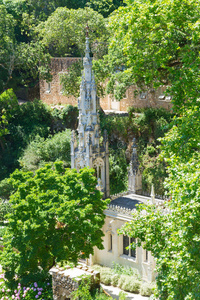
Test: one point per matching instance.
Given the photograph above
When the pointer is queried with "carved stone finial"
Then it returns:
(134, 157)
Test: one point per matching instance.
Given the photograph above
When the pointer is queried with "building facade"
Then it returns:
(52, 92)
(117, 214)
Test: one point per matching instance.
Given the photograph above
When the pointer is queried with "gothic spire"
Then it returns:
(134, 157)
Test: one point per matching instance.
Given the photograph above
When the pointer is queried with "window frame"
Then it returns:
(130, 253)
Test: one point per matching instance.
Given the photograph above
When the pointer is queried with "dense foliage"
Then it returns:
(21, 58)
(63, 34)
(41, 151)
(160, 42)
(172, 235)
(23, 55)
(146, 125)
(30, 137)
(44, 225)
(19, 124)
(86, 292)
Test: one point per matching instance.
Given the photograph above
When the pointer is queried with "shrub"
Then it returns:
(106, 278)
(122, 295)
(121, 281)
(115, 279)
(64, 117)
(84, 292)
(5, 189)
(41, 151)
(105, 275)
(121, 270)
(97, 267)
(146, 289)
(154, 170)
(129, 284)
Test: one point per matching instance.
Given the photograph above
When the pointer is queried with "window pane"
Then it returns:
(109, 242)
(125, 244)
(133, 251)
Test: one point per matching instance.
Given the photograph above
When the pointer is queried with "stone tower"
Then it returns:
(87, 151)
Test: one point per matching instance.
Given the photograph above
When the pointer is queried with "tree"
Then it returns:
(7, 42)
(8, 104)
(38, 10)
(156, 43)
(19, 124)
(63, 34)
(57, 216)
(22, 57)
(172, 233)
(104, 7)
(41, 151)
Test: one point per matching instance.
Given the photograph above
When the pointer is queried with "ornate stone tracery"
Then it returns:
(89, 152)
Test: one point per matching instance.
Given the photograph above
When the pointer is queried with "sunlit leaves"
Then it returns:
(63, 32)
(57, 214)
(158, 41)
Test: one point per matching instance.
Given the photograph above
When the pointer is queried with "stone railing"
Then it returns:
(121, 210)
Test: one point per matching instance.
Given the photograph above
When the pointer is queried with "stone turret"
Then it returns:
(134, 174)
(89, 152)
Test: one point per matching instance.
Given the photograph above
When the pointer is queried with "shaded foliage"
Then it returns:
(21, 123)
(146, 125)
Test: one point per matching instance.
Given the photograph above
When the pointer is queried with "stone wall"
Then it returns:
(151, 98)
(66, 280)
(51, 93)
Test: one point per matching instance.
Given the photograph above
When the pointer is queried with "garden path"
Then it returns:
(114, 293)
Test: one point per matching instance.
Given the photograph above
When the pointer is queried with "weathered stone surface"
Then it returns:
(67, 280)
